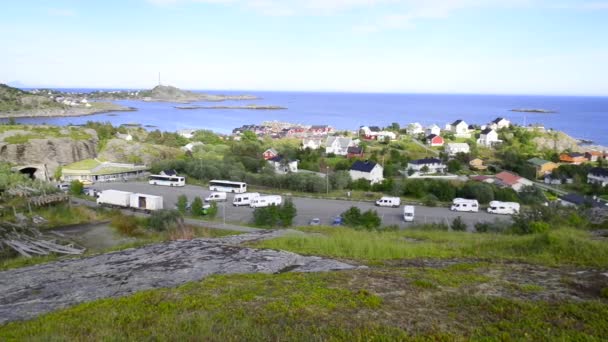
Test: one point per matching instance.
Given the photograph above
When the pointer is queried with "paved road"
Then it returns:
(308, 208)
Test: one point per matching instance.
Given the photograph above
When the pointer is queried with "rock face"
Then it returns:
(28, 292)
(52, 151)
(558, 141)
(129, 151)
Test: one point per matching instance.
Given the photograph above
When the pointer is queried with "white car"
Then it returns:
(216, 197)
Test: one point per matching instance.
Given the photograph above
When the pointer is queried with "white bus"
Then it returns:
(227, 186)
(167, 180)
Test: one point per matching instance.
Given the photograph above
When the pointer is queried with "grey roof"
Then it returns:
(455, 123)
(486, 131)
(598, 171)
(374, 128)
(363, 166)
(344, 142)
(580, 200)
(431, 136)
(497, 120)
(355, 150)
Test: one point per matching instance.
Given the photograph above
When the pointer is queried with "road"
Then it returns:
(308, 208)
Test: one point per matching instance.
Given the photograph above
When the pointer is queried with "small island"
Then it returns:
(250, 107)
(533, 110)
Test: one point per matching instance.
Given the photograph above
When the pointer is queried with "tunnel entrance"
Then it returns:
(29, 171)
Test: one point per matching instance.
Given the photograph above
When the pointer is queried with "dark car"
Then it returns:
(337, 221)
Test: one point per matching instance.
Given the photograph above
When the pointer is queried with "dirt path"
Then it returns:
(30, 291)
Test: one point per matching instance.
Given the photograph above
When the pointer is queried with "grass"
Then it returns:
(65, 215)
(42, 132)
(556, 247)
(86, 164)
(350, 305)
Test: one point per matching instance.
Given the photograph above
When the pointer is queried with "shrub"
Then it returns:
(197, 206)
(212, 211)
(458, 225)
(165, 219)
(182, 203)
(125, 224)
(76, 187)
(354, 218)
(351, 217)
(538, 227)
(275, 216)
(430, 200)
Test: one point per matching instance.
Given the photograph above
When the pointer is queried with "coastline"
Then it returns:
(71, 112)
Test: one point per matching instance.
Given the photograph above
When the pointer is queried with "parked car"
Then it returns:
(337, 221)
(386, 201)
(216, 197)
(315, 222)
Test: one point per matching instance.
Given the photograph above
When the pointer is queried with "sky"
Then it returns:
(548, 47)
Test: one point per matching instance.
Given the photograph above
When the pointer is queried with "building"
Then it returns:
(415, 129)
(460, 129)
(557, 180)
(433, 129)
(477, 164)
(542, 167)
(270, 153)
(575, 158)
(499, 123)
(338, 145)
(576, 200)
(369, 133)
(593, 156)
(386, 136)
(282, 165)
(317, 130)
(354, 152)
(454, 148)
(488, 137)
(430, 165)
(434, 140)
(512, 180)
(312, 143)
(598, 175)
(367, 170)
(186, 133)
(92, 170)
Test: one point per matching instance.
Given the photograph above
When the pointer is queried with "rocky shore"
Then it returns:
(96, 108)
(250, 107)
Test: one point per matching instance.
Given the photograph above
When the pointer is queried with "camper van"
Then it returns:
(462, 204)
(265, 201)
(408, 213)
(244, 199)
(394, 202)
(216, 197)
(509, 208)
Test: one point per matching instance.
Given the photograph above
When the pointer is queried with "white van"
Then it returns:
(265, 201)
(216, 197)
(385, 201)
(408, 213)
(498, 207)
(244, 199)
(463, 204)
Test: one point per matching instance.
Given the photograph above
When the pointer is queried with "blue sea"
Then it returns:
(581, 117)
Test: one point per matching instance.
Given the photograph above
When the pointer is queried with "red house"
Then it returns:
(270, 153)
(434, 140)
(320, 130)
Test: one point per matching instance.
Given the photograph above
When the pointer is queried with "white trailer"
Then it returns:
(145, 202)
(385, 201)
(265, 201)
(114, 198)
(508, 208)
(463, 204)
(216, 197)
(408, 213)
(244, 199)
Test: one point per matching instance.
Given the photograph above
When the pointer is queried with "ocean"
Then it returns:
(580, 117)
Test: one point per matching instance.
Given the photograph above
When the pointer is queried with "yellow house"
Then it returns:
(542, 167)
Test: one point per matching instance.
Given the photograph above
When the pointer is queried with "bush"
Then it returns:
(354, 218)
(430, 200)
(538, 227)
(458, 225)
(351, 217)
(275, 216)
(76, 187)
(182, 203)
(370, 220)
(125, 224)
(165, 219)
(197, 207)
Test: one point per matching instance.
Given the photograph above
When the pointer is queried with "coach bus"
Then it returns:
(227, 186)
(167, 180)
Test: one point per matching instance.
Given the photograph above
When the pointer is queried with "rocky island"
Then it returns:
(533, 110)
(250, 107)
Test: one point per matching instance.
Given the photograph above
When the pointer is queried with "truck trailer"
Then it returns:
(129, 200)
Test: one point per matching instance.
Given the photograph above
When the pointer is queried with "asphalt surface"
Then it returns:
(308, 208)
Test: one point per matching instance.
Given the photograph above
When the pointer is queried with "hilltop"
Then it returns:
(167, 93)
(15, 100)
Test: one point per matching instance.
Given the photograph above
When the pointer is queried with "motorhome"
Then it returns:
(508, 208)
(394, 202)
(265, 201)
(244, 199)
(408, 213)
(216, 197)
(462, 204)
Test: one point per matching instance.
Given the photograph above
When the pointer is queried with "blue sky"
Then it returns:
(433, 46)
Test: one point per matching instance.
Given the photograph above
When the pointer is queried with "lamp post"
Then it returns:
(327, 178)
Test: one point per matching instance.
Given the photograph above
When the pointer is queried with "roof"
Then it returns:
(363, 166)
(458, 145)
(433, 136)
(598, 171)
(497, 120)
(457, 122)
(508, 178)
(271, 150)
(344, 142)
(581, 200)
(576, 154)
(374, 128)
(319, 126)
(486, 131)
(355, 150)
(538, 161)
(425, 161)
(433, 126)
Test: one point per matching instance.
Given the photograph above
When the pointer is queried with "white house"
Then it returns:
(367, 170)
(433, 129)
(127, 137)
(338, 145)
(282, 165)
(415, 129)
(453, 148)
(488, 137)
(370, 132)
(598, 175)
(386, 136)
(433, 165)
(312, 143)
(186, 133)
(499, 123)
(460, 129)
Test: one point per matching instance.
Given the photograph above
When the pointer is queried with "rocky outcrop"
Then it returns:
(131, 151)
(52, 152)
(557, 141)
(28, 292)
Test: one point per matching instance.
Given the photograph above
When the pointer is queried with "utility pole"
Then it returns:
(327, 178)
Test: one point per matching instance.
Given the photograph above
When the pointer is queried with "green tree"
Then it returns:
(339, 180)
(454, 166)
(182, 203)
(351, 217)
(287, 213)
(458, 225)
(197, 206)
(370, 220)
(76, 187)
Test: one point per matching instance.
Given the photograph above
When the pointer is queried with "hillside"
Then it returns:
(172, 94)
(14, 100)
